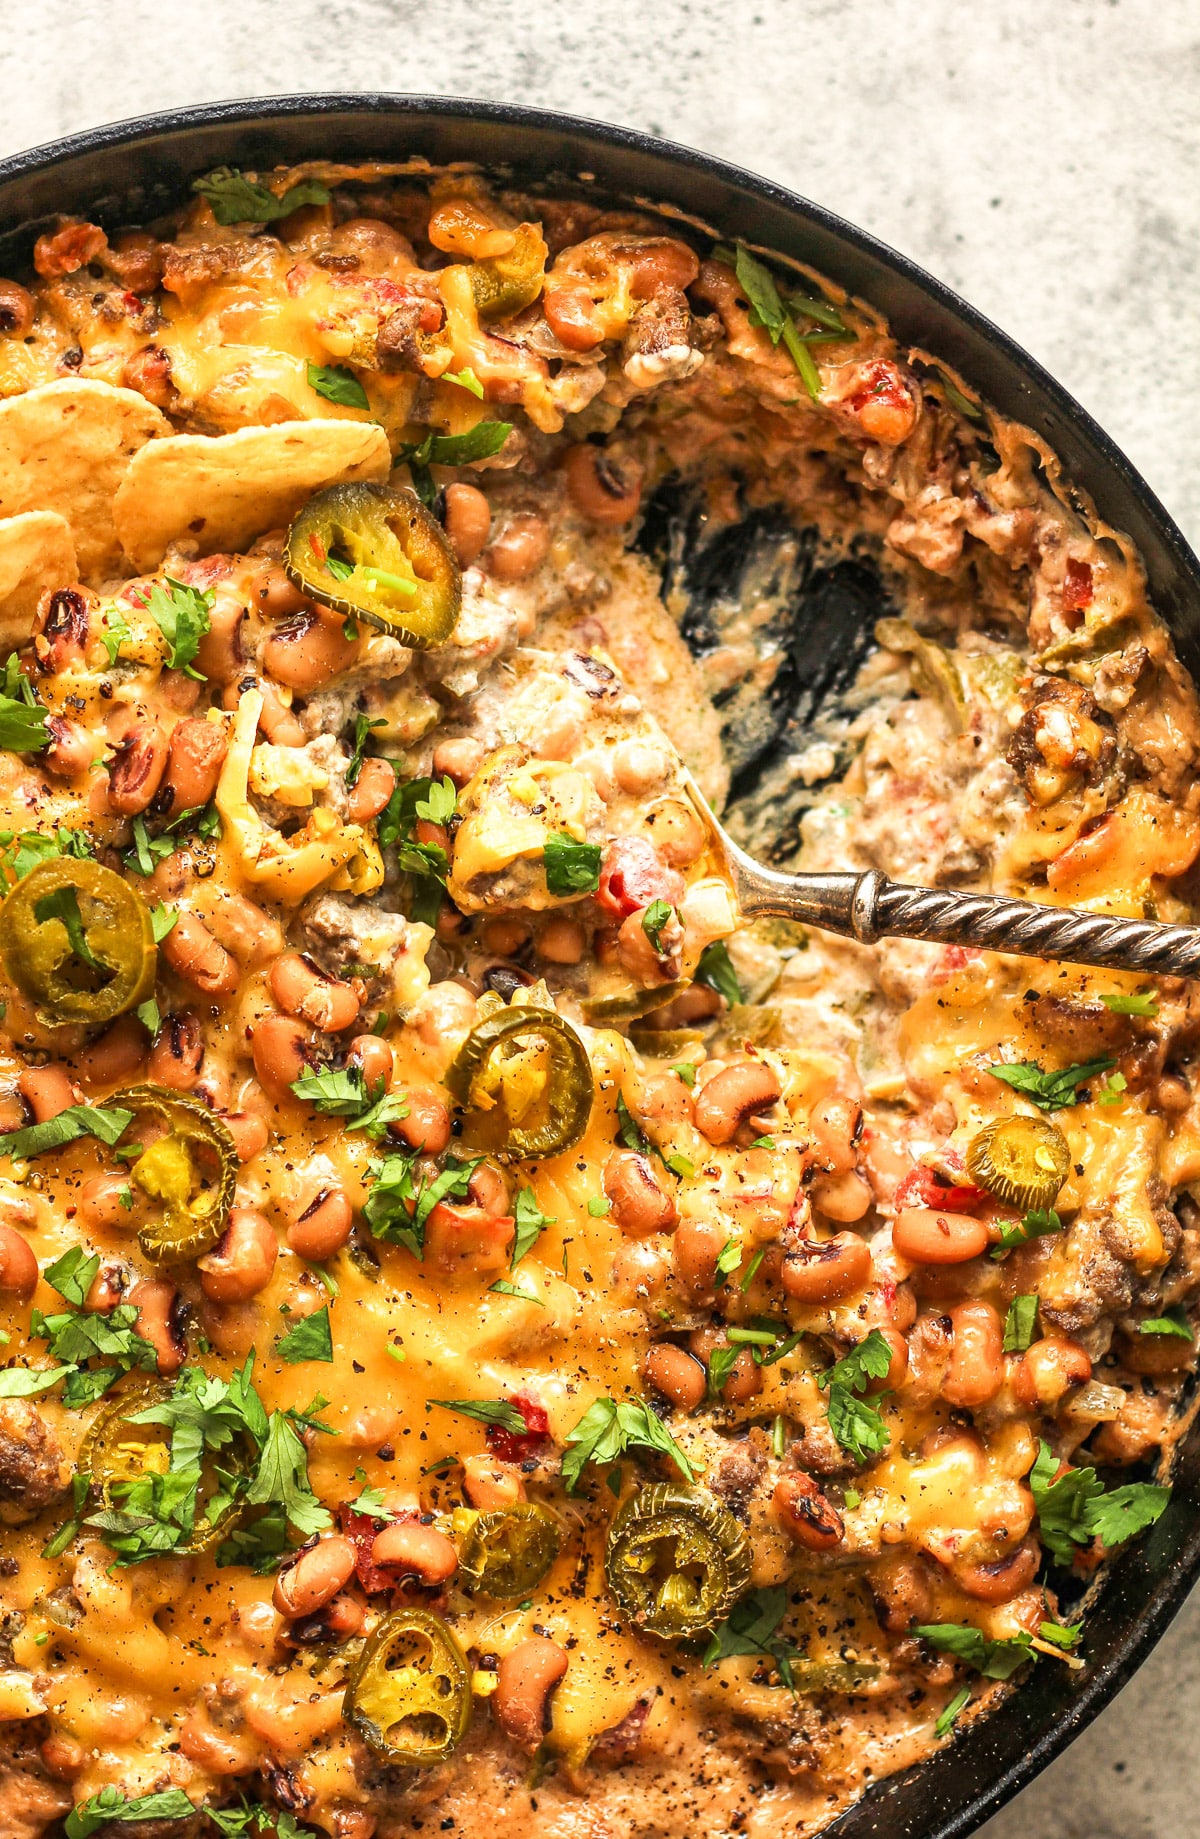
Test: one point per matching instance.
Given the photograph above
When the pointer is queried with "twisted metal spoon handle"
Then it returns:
(869, 906)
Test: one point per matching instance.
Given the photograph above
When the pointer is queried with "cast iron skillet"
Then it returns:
(133, 170)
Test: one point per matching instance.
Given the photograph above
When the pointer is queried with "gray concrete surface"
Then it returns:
(1041, 156)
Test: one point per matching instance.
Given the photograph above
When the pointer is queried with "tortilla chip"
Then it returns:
(224, 490)
(36, 552)
(65, 447)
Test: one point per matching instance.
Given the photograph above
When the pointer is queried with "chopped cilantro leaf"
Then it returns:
(181, 614)
(310, 1339)
(1049, 1091)
(608, 1429)
(1142, 1002)
(495, 1411)
(571, 867)
(1020, 1324)
(715, 968)
(105, 1122)
(531, 1222)
(336, 384)
(234, 198)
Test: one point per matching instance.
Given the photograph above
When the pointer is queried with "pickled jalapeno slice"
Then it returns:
(191, 1167)
(676, 1560)
(525, 1079)
(506, 1552)
(118, 1451)
(409, 1692)
(374, 552)
(78, 942)
(506, 284)
(1023, 1161)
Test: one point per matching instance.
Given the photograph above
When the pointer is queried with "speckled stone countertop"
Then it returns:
(1041, 157)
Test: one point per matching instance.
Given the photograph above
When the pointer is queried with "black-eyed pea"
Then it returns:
(322, 1226)
(641, 1205)
(677, 1375)
(242, 1261)
(468, 522)
(157, 1303)
(519, 549)
(561, 940)
(177, 1052)
(733, 1095)
(315, 1577)
(489, 1483)
(412, 1549)
(18, 1264)
(526, 1679)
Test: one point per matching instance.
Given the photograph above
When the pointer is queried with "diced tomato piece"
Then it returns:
(509, 1447)
(360, 1529)
(633, 874)
(923, 1187)
(1077, 592)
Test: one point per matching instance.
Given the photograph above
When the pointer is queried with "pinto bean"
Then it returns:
(678, 835)
(695, 1248)
(194, 760)
(818, 1271)
(107, 1289)
(18, 1264)
(417, 1551)
(157, 1305)
(676, 1374)
(115, 1054)
(309, 652)
(663, 1105)
(897, 1371)
(633, 875)
(1048, 1370)
(136, 769)
(301, 988)
(198, 958)
(743, 1380)
(427, 1125)
(807, 1513)
(520, 548)
(18, 310)
(281, 1049)
(640, 1204)
(61, 627)
(602, 488)
(177, 1052)
(315, 1577)
(137, 261)
(489, 1483)
(637, 954)
(927, 1235)
(323, 1227)
(526, 1679)
(468, 521)
(738, 1092)
(371, 790)
(976, 1370)
(242, 1261)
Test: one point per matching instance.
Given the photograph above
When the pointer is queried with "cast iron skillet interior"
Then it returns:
(132, 171)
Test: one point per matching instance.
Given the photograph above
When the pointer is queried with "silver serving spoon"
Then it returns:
(869, 906)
